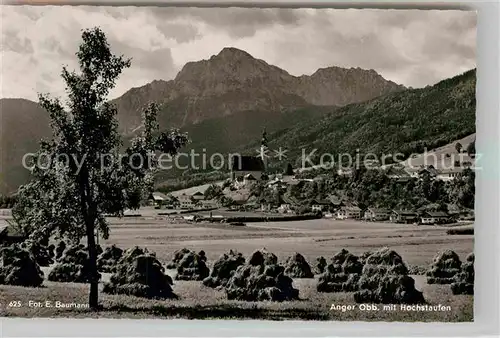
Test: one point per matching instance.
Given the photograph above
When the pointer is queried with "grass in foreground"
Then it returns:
(199, 302)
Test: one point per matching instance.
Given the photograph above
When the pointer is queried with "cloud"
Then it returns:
(236, 22)
(412, 47)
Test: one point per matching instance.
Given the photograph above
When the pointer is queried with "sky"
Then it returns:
(410, 47)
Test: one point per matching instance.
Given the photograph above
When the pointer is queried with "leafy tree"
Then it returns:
(213, 191)
(458, 147)
(471, 148)
(310, 190)
(85, 176)
(462, 189)
(289, 170)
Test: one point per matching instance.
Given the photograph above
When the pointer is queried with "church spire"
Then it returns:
(263, 148)
(264, 138)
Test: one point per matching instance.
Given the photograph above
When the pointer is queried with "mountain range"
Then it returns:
(233, 81)
(225, 102)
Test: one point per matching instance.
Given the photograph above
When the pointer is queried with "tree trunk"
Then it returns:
(93, 274)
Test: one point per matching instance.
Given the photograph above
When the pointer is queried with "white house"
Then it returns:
(186, 202)
(344, 172)
(157, 199)
(353, 212)
(434, 217)
(449, 174)
(209, 204)
(320, 205)
(374, 214)
(285, 208)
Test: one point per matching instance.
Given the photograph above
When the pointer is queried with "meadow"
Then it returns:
(323, 237)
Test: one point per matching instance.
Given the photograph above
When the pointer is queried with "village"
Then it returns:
(249, 174)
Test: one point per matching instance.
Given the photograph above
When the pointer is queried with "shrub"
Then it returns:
(178, 255)
(445, 265)
(192, 266)
(138, 273)
(463, 283)
(106, 262)
(460, 231)
(384, 279)
(98, 249)
(342, 274)
(259, 279)
(73, 266)
(263, 257)
(61, 246)
(320, 265)
(52, 252)
(296, 266)
(388, 289)
(39, 252)
(18, 267)
(386, 257)
(417, 270)
(223, 269)
(364, 256)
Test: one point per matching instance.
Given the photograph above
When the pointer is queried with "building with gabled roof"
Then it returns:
(403, 216)
(321, 204)
(376, 214)
(349, 212)
(9, 233)
(435, 217)
(197, 196)
(449, 174)
(246, 165)
(396, 172)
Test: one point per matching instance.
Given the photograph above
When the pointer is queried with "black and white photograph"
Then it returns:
(237, 163)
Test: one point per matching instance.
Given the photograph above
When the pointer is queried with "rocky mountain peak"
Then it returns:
(231, 69)
(232, 81)
(233, 54)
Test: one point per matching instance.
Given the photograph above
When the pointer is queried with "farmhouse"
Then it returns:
(197, 196)
(403, 216)
(449, 174)
(285, 208)
(244, 165)
(352, 212)
(344, 172)
(9, 234)
(209, 204)
(186, 202)
(373, 214)
(157, 199)
(466, 215)
(421, 171)
(278, 183)
(320, 205)
(249, 179)
(434, 217)
(395, 172)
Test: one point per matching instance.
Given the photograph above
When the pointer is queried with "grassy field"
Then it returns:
(417, 245)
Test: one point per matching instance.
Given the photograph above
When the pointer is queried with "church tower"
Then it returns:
(264, 149)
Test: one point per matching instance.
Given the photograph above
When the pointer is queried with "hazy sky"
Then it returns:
(410, 47)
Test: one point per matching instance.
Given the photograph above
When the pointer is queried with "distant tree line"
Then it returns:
(7, 202)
